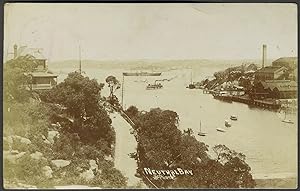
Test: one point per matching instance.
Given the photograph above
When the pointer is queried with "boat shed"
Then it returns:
(278, 89)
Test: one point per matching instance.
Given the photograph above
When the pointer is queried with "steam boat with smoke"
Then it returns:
(154, 86)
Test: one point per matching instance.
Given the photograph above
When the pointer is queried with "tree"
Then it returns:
(113, 85)
(132, 111)
(234, 165)
(189, 131)
(80, 96)
(16, 79)
(161, 145)
(85, 133)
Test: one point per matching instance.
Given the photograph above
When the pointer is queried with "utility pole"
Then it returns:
(264, 55)
(79, 59)
(123, 91)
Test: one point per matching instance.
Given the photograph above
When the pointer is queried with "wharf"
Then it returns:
(267, 104)
(259, 103)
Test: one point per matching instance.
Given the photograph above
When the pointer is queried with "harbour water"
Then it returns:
(269, 144)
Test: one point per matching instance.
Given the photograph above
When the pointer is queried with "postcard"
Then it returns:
(150, 95)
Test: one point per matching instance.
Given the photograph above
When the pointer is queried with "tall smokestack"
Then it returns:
(15, 51)
(264, 58)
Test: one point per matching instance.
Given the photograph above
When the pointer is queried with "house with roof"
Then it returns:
(41, 77)
(271, 73)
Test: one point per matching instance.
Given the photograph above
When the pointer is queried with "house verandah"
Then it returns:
(42, 80)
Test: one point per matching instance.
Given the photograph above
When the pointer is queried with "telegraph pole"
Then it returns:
(79, 59)
(123, 91)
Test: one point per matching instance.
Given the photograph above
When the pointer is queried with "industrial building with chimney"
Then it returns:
(277, 81)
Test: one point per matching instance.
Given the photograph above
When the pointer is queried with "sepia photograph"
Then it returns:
(150, 95)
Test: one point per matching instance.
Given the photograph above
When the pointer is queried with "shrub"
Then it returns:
(109, 178)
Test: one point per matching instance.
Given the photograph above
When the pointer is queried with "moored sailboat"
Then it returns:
(200, 132)
(285, 120)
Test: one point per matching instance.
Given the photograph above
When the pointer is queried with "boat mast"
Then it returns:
(200, 126)
(191, 76)
(123, 91)
(284, 114)
(79, 59)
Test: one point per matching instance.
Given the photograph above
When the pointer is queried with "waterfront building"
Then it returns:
(41, 77)
(290, 63)
(294, 75)
(277, 89)
(271, 73)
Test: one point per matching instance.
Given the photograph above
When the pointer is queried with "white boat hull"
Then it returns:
(220, 129)
(202, 134)
(288, 121)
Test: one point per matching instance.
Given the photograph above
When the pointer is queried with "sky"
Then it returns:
(152, 31)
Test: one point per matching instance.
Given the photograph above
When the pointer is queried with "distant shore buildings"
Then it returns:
(277, 81)
(284, 68)
(277, 89)
(41, 77)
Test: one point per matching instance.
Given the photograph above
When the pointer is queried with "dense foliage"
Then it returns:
(15, 80)
(79, 96)
(161, 145)
(72, 110)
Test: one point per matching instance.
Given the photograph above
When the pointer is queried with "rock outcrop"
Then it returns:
(60, 163)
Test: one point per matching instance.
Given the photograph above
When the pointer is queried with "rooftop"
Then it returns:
(270, 69)
(37, 53)
(42, 74)
(287, 59)
(281, 85)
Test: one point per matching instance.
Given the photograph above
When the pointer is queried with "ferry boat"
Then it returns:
(223, 96)
(154, 86)
(141, 73)
(191, 86)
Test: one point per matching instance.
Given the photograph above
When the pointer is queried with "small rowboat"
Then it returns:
(288, 121)
(227, 124)
(221, 130)
(233, 117)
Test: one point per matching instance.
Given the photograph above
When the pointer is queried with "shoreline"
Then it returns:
(281, 175)
(276, 180)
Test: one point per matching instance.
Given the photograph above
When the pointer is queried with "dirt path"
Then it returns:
(125, 144)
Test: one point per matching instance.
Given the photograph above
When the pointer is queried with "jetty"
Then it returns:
(267, 104)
